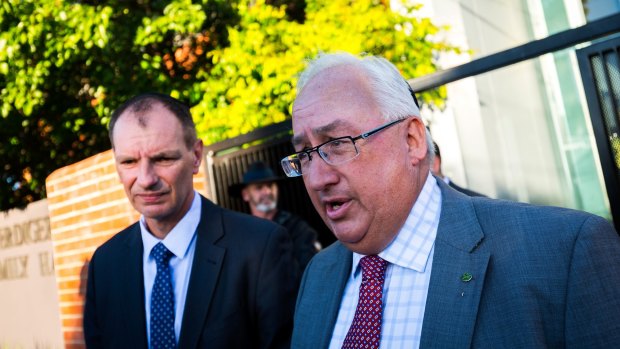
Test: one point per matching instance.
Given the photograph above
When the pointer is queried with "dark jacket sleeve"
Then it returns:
(304, 237)
(593, 297)
(276, 292)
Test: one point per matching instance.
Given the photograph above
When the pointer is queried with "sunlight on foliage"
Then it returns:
(252, 83)
(615, 148)
(66, 65)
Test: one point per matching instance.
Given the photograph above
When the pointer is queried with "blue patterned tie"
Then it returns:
(162, 301)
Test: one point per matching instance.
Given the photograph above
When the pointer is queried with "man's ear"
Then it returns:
(245, 195)
(436, 166)
(197, 151)
(416, 140)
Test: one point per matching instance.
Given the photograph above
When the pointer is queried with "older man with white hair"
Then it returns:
(418, 264)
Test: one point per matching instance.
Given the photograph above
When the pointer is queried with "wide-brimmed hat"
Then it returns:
(258, 172)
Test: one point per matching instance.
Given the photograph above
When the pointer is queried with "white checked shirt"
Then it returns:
(181, 241)
(406, 280)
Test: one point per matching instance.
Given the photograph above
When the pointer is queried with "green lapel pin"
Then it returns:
(466, 277)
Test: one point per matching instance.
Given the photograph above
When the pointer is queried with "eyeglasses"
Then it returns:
(334, 152)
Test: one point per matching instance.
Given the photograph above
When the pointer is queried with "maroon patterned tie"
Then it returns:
(365, 330)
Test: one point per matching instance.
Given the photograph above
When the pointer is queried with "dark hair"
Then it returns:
(143, 103)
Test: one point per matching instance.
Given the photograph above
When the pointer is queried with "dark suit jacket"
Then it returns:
(542, 278)
(304, 237)
(241, 292)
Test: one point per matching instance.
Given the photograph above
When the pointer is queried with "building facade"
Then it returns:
(524, 131)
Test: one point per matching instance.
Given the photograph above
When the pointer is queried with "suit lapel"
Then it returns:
(320, 301)
(453, 298)
(132, 280)
(208, 259)
(337, 275)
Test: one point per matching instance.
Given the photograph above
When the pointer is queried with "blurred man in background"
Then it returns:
(259, 189)
(436, 170)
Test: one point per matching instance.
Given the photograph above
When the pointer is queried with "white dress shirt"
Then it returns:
(407, 277)
(181, 241)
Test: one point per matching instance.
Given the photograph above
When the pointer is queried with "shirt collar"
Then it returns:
(412, 245)
(180, 237)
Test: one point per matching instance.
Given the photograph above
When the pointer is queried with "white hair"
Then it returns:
(390, 89)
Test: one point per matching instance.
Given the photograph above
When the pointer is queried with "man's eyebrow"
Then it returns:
(166, 154)
(121, 157)
(322, 130)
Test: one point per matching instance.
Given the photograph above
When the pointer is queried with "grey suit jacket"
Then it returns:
(543, 277)
(241, 291)
(465, 191)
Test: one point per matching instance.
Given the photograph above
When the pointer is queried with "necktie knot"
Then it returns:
(161, 254)
(373, 268)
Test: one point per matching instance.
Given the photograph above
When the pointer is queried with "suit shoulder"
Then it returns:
(493, 206)
(118, 240)
(515, 216)
(465, 191)
(239, 223)
(335, 251)
(234, 217)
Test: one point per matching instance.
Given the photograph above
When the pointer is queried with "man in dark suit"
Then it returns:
(189, 274)
(436, 170)
(417, 264)
(259, 188)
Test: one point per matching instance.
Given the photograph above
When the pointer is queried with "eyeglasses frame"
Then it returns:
(353, 139)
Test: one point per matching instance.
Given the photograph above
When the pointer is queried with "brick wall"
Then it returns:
(87, 205)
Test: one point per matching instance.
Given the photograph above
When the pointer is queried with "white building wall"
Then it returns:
(29, 313)
(507, 133)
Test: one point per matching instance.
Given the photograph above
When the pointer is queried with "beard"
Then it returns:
(265, 203)
(266, 206)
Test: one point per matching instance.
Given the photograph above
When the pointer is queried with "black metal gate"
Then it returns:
(600, 72)
(227, 161)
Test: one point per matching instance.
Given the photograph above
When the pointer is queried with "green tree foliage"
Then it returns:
(252, 83)
(615, 148)
(65, 65)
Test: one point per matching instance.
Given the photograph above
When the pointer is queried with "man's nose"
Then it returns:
(318, 174)
(267, 188)
(147, 176)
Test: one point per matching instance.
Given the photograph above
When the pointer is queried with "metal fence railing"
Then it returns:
(228, 160)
